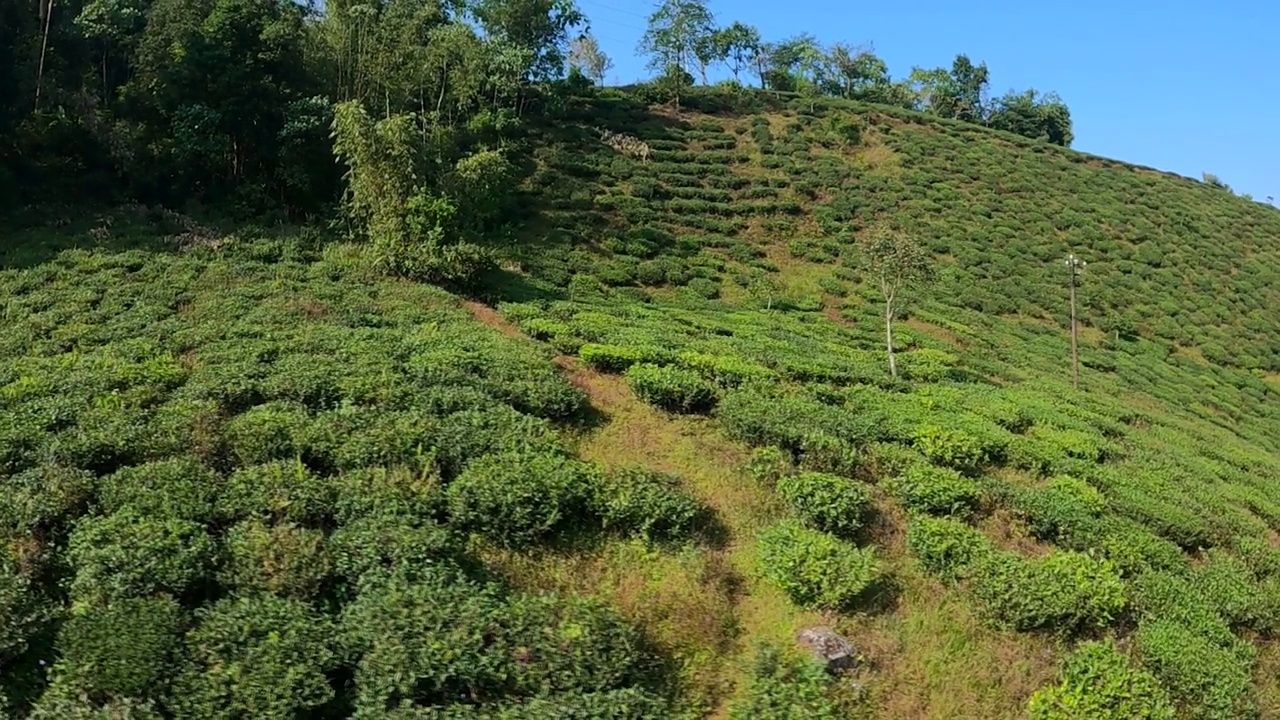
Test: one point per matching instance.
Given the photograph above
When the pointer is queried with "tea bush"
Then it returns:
(129, 554)
(770, 464)
(935, 490)
(1209, 679)
(816, 569)
(827, 502)
(616, 359)
(670, 388)
(647, 503)
(946, 547)
(1063, 591)
(785, 688)
(1098, 681)
(517, 498)
(262, 656)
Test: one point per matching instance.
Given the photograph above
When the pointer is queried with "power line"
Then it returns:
(602, 6)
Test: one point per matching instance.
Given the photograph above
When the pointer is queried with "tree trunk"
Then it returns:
(44, 49)
(888, 338)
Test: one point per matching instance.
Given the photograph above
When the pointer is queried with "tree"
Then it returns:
(1044, 118)
(540, 28)
(956, 93)
(738, 46)
(586, 55)
(969, 84)
(678, 29)
(896, 261)
(857, 72)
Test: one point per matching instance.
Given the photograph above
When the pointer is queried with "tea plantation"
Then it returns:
(243, 473)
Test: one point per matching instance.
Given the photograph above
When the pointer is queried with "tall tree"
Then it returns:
(586, 55)
(1042, 117)
(896, 262)
(738, 45)
(540, 28)
(969, 83)
(677, 30)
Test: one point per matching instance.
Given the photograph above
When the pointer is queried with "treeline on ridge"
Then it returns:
(233, 101)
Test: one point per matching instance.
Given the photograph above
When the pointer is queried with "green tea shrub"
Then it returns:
(258, 656)
(508, 647)
(831, 503)
(1207, 678)
(129, 554)
(787, 420)
(769, 464)
(391, 543)
(889, 460)
(272, 431)
(1064, 590)
(1229, 586)
(1072, 443)
(280, 490)
(786, 688)
(1098, 681)
(704, 288)
(383, 491)
(726, 371)
(955, 447)
(820, 452)
(285, 559)
(945, 546)
(44, 498)
(1060, 512)
(1135, 549)
(179, 487)
(467, 435)
(935, 490)
(815, 569)
(928, 365)
(522, 497)
(647, 503)
(616, 358)
(123, 650)
(671, 388)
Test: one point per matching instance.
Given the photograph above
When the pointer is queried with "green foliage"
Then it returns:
(616, 359)
(285, 560)
(648, 503)
(785, 688)
(1210, 679)
(946, 546)
(128, 554)
(670, 388)
(517, 498)
(123, 650)
(769, 465)
(816, 569)
(954, 447)
(1098, 681)
(262, 656)
(935, 490)
(830, 503)
(1062, 591)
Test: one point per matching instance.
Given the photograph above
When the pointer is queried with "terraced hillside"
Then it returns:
(658, 444)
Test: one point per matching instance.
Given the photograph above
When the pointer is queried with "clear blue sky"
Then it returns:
(1181, 86)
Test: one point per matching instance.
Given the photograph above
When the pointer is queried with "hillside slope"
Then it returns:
(658, 444)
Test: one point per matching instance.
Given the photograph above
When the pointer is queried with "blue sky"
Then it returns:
(1181, 86)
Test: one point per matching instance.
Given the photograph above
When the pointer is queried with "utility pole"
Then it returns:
(1074, 264)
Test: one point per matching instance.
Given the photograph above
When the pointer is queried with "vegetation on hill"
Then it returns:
(584, 401)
